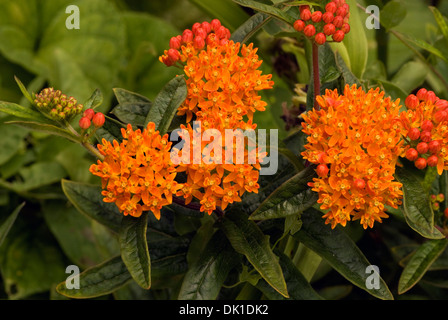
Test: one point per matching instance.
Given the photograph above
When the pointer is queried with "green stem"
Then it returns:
(84, 143)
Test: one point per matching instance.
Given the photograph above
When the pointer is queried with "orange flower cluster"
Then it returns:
(137, 173)
(223, 82)
(426, 125)
(355, 139)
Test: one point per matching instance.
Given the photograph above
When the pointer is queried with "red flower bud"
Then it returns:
(98, 119)
(215, 24)
(199, 42)
(195, 27)
(299, 25)
(316, 16)
(84, 123)
(221, 32)
(414, 133)
(322, 170)
(175, 43)
(411, 154)
(329, 29)
(434, 146)
(304, 7)
(187, 36)
(200, 32)
(441, 104)
(206, 27)
(309, 30)
(338, 21)
(89, 113)
(328, 17)
(320, 38)
(431, 97)
(446, 213)
(359, 183)
(305, 15)
(346, 28)
(422, 147)
(421, 94)
(440, 116)
(331, 7)
(432, 161)
(425, 136)
(338, 36)
(173, 54)
(341, 11)
(420, 163)
(412, 102)
(427, 125)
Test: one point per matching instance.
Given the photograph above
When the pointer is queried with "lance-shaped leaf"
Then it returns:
(88, 200)
(47, 128)
(97, 281)
(339, 250)
(134, 248)
(292, 197)
(298, 287)
(419, 263)
(247, 238)
(250, 27)
(19, 111)
(95, 100)
(166, 104)
(416, 206)
(7, 224)
(205, 277)
(132, 107)
(270, 10)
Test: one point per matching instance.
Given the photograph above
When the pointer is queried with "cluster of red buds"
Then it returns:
(436, 200)
(56, 105)
(90, 117)
(426, 125)
(200, 35)
(319, 25)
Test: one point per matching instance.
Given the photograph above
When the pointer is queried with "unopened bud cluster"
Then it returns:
(318, 25)
(426, 125)
(200, 35)
(436, 200)
(56, 105)
(90, 117)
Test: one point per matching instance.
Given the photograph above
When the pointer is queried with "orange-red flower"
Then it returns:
(137, 174)
(357, 135)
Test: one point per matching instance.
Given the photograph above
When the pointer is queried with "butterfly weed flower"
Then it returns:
(355, 140)
(223, 81)
(137, 174)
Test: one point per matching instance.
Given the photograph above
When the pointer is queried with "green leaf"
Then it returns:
(292, 197)
(24, 91)
(392, 14)
(88, 200)
(7, 224)
(247, 239)
(95, 100)
(205, 277)
(422, 44)
(270, 10)
(410, 76)
(250, 27)
(134, 248)
(356, 41)
(440, 21)
(298, 287)
(230, 14)
(419, 263)
(47, 128)
(22, 112)
(12, 142)
(339, 250)
(132, 107)
(99, 280)
(166, 104)
(347, 75)
(416, 206)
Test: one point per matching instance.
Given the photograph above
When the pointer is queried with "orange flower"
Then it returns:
(137, 173)
(358, 136)
(223, 82)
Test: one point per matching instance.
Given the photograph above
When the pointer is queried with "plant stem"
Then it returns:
(316, 75)
(84, 143)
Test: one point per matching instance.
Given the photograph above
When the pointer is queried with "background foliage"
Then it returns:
(117, 46)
